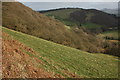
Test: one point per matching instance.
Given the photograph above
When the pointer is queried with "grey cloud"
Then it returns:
(87, 5)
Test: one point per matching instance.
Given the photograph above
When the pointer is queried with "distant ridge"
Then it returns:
(79, 16)
(44, 11)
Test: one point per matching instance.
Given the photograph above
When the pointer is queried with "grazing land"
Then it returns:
(65, 61)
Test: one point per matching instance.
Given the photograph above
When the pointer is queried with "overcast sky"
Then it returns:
(68, 0)
(86, 5)
(53, 4)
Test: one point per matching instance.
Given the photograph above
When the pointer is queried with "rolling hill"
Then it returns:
(18, 17)
(84, 18)
(26, 56)
(91, 21)
(38, 46)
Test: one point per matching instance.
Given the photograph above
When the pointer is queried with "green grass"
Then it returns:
(91, 26)
(58, 58)
(69, 23)
(63, 14)
(65, 21)
(112, 34)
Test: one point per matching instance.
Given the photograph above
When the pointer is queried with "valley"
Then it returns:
(59, 43)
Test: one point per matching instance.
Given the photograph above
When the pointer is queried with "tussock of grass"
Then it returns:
(58, 58)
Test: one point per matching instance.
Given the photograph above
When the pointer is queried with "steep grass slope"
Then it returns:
(18, 17)
(18, 62)
(65, 61)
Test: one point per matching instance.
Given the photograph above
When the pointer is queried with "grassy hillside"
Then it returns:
(63, 14)
(66, 61)
(93, 20)
(91, 26)
(18, 17)
(111, 35)
(18, 60)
